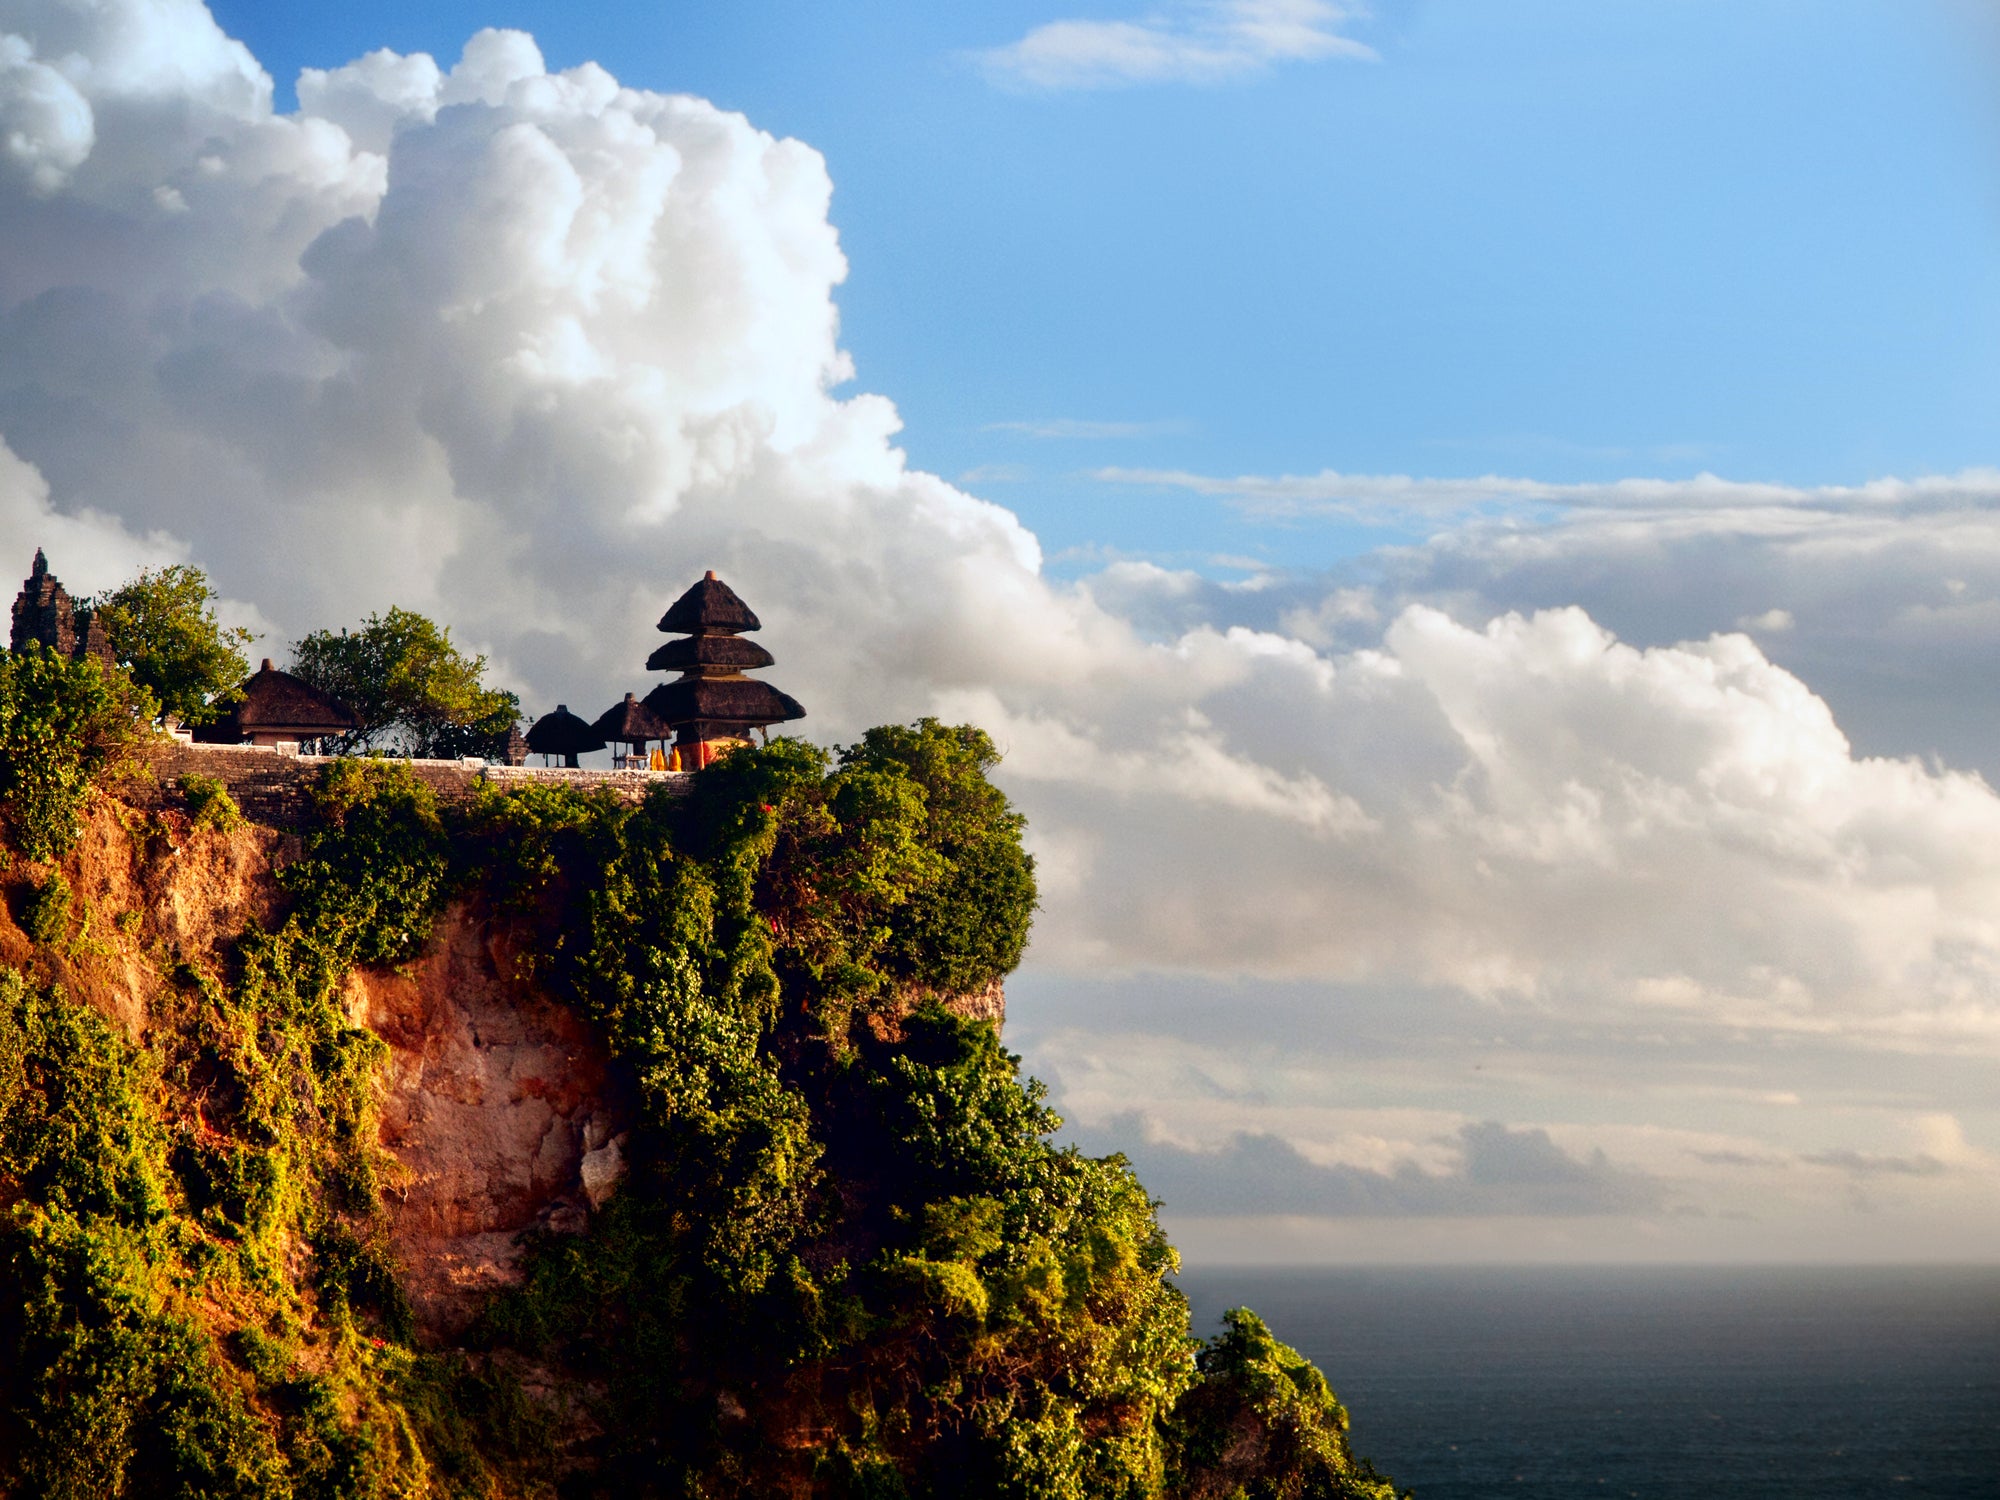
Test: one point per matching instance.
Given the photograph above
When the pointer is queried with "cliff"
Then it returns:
(539, 1140)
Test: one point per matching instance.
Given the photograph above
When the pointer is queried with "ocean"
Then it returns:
(1659, 1384)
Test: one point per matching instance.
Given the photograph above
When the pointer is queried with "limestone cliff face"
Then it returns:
(498, 1103)
(150, 891)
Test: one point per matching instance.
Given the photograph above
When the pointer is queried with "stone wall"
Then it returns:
(275, 788)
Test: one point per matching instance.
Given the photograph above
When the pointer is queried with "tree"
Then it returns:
(412, 689)
(163, 631)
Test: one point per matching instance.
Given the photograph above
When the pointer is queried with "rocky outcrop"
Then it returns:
(147, 893)
(499, 1107)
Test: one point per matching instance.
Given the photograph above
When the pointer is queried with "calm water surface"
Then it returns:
(1674, 1384)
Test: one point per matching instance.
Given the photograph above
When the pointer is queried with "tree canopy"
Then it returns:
(412, 689)
(163, 631)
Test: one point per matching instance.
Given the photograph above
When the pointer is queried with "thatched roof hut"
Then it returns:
(274, 706)
(563, 733)
(631, 723)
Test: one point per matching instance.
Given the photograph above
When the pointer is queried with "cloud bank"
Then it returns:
(529, 350)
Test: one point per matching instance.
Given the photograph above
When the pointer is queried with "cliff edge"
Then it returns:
(550, 1140)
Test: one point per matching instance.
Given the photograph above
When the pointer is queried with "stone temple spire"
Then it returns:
(45, 614)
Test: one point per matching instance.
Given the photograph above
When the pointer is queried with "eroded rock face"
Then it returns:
(499, 1106)
(498, 1102)
(184, 893)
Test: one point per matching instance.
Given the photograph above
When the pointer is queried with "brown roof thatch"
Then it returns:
(709, 605)
(631, 723)
(730, 651)
(737, 701)
(275, 702)
(562, 733)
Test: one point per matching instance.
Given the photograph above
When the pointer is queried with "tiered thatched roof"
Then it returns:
(727, 702)
(710, 606)
(712, 699)
(730, 651)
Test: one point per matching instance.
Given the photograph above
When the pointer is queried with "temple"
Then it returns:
(45, 614)
(712, 707)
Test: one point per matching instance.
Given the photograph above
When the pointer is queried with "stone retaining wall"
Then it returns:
(275, 788)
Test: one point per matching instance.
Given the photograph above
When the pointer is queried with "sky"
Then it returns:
(1475, 526)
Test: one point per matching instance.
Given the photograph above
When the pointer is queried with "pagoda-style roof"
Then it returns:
(631, 723)
(712, 700)
(731, 652)
(273, 704)
(563, 733)
(735, 702)
(711, 605)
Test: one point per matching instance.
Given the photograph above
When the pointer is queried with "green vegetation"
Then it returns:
(209, 803)
(195, 1291)
(409, 685)
(845, 1259)
(62, 723)
(163, 631)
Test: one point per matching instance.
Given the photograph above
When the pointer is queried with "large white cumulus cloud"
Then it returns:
(529, 350)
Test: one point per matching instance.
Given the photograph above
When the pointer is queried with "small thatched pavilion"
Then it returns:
(636, 726)
(563, 733)
(274, 707)
(712, 707)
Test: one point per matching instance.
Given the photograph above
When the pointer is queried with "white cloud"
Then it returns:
(96, 551)
(1197, 43)
(1493, 1170)
(46, 127)
(529, 350)
(1771, 620)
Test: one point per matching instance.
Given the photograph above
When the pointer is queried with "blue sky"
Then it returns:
(1555, 237)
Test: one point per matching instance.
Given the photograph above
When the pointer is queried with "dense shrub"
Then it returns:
(209, 803)
(230, 1167)
(61, 723)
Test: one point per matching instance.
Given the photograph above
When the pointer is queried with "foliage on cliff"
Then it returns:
(847, 1259)
(62, 725)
